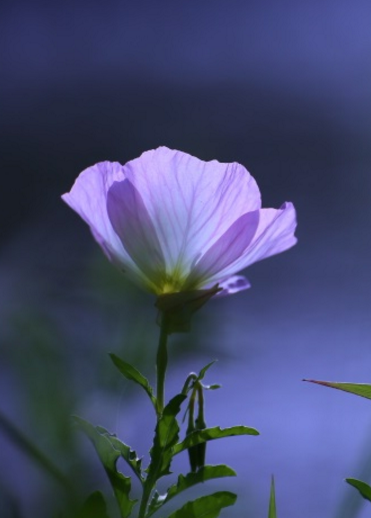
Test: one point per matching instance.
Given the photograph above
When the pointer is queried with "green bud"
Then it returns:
(196, 453)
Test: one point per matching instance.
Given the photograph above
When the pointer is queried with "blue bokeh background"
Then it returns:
(281, 87)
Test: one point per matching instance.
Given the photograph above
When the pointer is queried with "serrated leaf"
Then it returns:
(185, 482)
(206, 506)
(94, 507)
(166, 436)
(109, 455)
(272, 502)
(132, 374)
(126, 452)
(363, 488)
(209, 434)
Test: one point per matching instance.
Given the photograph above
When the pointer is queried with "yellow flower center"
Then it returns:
(170, 283)
(169, 287)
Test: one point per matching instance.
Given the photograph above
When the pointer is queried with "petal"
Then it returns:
(88, 197)
(132, 223)
(275, 234)
(227, 250)
(192, 203)
(232, 285)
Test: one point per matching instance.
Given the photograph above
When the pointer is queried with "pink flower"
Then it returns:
(174, 223)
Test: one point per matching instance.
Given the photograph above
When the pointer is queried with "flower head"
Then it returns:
(174, 223)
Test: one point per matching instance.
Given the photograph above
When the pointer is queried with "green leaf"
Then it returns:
(202, 372)
(272, 502)
(109, 455)
(166, 436)
(214, 386)
(209, 434)
(359, 389)
(363, 488)
(193, 378)
(132, 374)
(126, 452)
(185, 482)
(94, 507)
(206, 506)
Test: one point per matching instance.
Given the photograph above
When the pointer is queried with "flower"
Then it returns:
(174, 223)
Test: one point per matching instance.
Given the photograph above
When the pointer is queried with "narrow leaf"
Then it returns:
(214, 386)
(94, 507)
(359, 389)
(209, 434)
(166, 436)
(109, 455)
(202, 372)
(193, 378)
(206, 506)
(131, 373)
(185, 482)
(363, 488)
(272, 502)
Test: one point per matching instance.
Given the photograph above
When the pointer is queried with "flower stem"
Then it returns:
(144, 502)
(161, 365)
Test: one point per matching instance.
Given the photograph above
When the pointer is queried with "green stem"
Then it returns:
(186, 387)
(161, 367)
(161, 364)
(144, 502)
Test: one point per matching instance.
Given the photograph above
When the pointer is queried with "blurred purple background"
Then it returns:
(281, 87)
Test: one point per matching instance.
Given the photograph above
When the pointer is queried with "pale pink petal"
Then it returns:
(227, 250)
(191, 203)
(132, 223)
(275, 233)
(88, 197)
(232, 285)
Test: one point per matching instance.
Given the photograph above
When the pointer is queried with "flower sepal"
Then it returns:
(176, 309)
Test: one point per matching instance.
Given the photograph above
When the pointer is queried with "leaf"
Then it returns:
(132, 374)
(94, 507)
(209, 434)
(272, 502)
(166, 436)
(359, 389)
(193, 378)
(206, 506)
(126, 452)
(202, 372)
(214, 386)
(109, 455)
(363, 488)
(185, 482)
